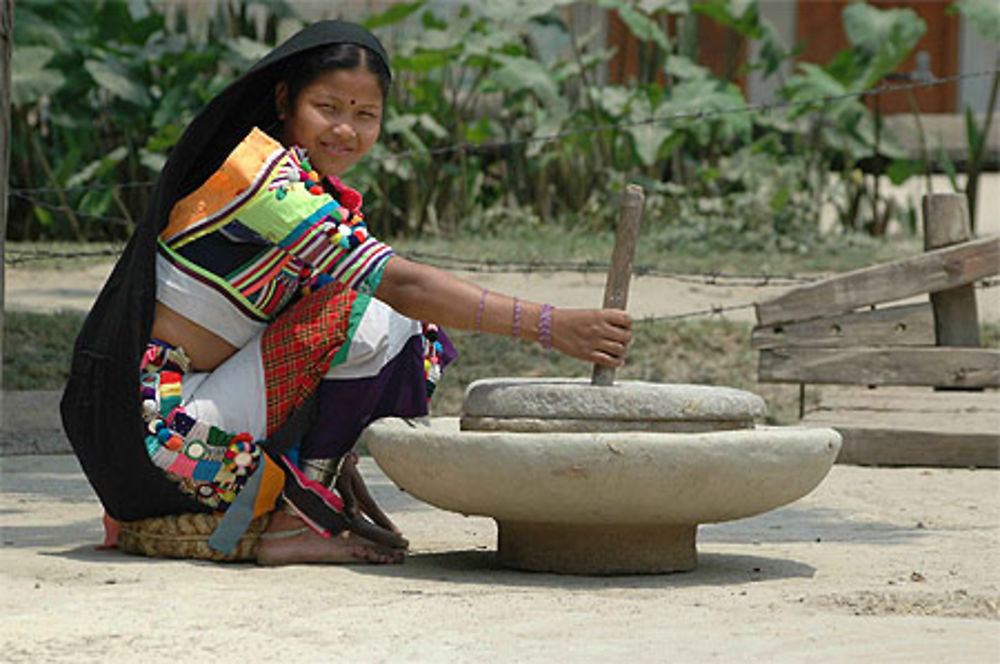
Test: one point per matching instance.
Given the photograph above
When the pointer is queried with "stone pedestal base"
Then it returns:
(596, 549)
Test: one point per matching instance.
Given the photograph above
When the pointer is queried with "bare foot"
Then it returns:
(111, 531)
(274, 548)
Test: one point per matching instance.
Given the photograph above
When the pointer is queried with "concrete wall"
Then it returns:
(782, 15)
(977, 54)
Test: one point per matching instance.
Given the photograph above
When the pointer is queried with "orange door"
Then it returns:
(719, 48)
(820, 30)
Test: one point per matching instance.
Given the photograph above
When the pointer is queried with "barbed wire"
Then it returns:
(16, 257)
(79, 213)
(82, 187)
(467, 146)
(712, 278)
(719, 310)
(989, 282)
(714, 310)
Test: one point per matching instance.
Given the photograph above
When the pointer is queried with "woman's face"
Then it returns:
(336, 118)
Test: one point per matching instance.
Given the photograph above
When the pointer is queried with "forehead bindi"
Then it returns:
(357, 87)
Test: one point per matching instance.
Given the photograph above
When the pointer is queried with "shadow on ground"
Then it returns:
(481, 567)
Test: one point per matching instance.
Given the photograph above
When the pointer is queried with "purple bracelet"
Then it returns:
(545, 327)
(515, 327)
(479, 311)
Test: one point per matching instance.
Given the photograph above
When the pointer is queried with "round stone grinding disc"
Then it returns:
(566, 404)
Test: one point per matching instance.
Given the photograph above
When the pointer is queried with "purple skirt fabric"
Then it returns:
(347, 406)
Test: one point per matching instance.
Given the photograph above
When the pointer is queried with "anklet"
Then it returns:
(283, 534)
(339, 470)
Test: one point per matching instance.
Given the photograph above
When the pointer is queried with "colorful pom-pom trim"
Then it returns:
(209, 464)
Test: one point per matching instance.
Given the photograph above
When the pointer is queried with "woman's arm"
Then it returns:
(422, 292)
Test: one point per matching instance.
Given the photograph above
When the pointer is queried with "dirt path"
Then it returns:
(51, 290)
(876, 565)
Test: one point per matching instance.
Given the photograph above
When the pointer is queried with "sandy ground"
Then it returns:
(875, 565)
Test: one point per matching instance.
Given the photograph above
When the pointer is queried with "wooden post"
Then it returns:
(6, 42)
(946, 222)
(620, 272)
(956, 319)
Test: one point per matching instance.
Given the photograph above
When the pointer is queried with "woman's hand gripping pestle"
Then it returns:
(620, 272)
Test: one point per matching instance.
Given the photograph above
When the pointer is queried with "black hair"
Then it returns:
(303, 70)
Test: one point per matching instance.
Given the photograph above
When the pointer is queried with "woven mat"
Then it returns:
(186, 536)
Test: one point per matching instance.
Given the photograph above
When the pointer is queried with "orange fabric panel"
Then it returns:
(227, 183)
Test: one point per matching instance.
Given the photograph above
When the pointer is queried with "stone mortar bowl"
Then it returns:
(602, 480)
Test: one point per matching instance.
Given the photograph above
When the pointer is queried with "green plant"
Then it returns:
(498, 117)
(102, 90)
(985, 16)
(489, 81)
(37, 349)
(844, 129)
(499, 78)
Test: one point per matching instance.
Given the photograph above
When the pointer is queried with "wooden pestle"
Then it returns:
(620, 272)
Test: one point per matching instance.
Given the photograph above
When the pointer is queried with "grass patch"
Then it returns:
(989, 335)
(552, 243)
(37, 349)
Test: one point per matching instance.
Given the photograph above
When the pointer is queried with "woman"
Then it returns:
(269, 327)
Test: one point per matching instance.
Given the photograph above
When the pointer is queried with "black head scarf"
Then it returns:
(101, 408)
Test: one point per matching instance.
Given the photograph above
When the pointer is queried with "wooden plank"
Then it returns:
(907, 420)
(951, 367)
(946, 220)
(888, 447)
(946, 223)
(929, 272)
(908, 325)
(961, 407)
(909, 426)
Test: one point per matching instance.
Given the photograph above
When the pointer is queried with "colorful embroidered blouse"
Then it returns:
(260, 231)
